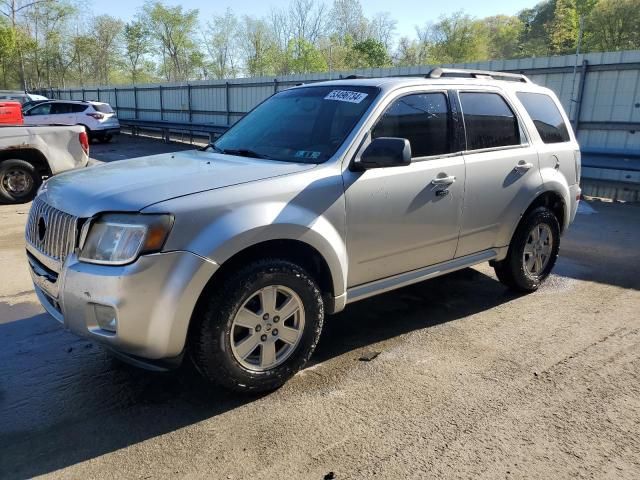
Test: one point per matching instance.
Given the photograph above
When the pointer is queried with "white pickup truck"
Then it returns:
(28, 154)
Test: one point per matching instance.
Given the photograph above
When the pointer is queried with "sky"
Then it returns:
(408, 13)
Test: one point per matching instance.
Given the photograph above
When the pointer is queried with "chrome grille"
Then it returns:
(51, 231)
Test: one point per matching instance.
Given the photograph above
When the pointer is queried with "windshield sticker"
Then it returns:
(306, 154)
(346, 96)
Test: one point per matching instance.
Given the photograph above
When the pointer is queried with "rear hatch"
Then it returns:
(109, 118)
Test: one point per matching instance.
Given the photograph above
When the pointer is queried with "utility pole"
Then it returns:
(575, 64)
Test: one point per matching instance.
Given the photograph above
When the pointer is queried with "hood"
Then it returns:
(131, 185)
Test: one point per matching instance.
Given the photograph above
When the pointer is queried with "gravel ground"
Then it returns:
(471, 381)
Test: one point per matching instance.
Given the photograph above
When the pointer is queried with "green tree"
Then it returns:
(534, 39)
(563, 30)
(173, 31)
(454, 39)
(7, 52)
(137, 44)
(305, 57)
(107, 32)
(504, 34)
(369, 53)
(614, 25)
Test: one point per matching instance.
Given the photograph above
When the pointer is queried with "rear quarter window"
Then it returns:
(546, 117)
(103, 108)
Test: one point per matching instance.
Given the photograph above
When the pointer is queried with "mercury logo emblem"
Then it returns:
(42, 228)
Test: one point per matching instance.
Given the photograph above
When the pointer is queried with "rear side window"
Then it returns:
(103, 107)
(60, 108)
(488, 121)
(546, 117)
(78, 108)
(423, 119)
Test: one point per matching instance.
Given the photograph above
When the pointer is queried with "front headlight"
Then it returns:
(119, 238)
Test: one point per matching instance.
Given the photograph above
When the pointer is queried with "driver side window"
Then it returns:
(423, 119)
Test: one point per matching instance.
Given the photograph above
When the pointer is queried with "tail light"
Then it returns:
(577, 158)
(84, 141)
(97, 116)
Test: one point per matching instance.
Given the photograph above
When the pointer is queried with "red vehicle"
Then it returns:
(11, 113)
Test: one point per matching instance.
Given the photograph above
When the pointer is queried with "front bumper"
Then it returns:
(153, 299)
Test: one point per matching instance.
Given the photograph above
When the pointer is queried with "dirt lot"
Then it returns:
(471, 381)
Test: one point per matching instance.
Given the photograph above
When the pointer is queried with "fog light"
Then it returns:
(106, 317)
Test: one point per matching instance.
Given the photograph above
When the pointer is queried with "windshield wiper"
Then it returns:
(211, 145)
(243, 152)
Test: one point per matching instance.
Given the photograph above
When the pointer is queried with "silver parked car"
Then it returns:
(323, 195)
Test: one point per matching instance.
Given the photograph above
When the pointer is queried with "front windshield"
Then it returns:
(299, 125)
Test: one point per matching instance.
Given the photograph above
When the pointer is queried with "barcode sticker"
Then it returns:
(346, 96)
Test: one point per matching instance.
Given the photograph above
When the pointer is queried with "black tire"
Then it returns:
(102, 137)
(511, 271)
(32, 178)
(210, 334)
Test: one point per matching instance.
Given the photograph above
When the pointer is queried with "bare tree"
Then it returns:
(308, 20)
(382, 27)
(221, 42)
(348, 21)
(258, 46)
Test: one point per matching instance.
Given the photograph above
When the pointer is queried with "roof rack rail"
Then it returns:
(464, 73)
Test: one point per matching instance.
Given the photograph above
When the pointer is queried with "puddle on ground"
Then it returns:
(565, 275)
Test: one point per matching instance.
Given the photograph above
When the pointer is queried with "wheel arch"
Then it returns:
(296, 251)
(30, 154)
(554, 201)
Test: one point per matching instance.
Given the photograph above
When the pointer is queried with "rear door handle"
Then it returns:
(522, 167)
(443, 180)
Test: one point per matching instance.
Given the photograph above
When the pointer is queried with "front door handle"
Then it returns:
(443, 180)
(522, 167)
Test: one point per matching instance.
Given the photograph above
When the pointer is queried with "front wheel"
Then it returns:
(532, 253)
(260, 328)
(19, 181)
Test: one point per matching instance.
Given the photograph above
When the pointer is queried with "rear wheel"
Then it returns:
(260, 328)
(533, 252)
(19, 181)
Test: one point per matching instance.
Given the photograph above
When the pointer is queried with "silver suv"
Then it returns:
(323, 195)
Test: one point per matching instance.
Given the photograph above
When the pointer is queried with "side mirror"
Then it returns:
(386, 152)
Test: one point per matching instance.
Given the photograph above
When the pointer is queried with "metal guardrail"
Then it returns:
(166, 128)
